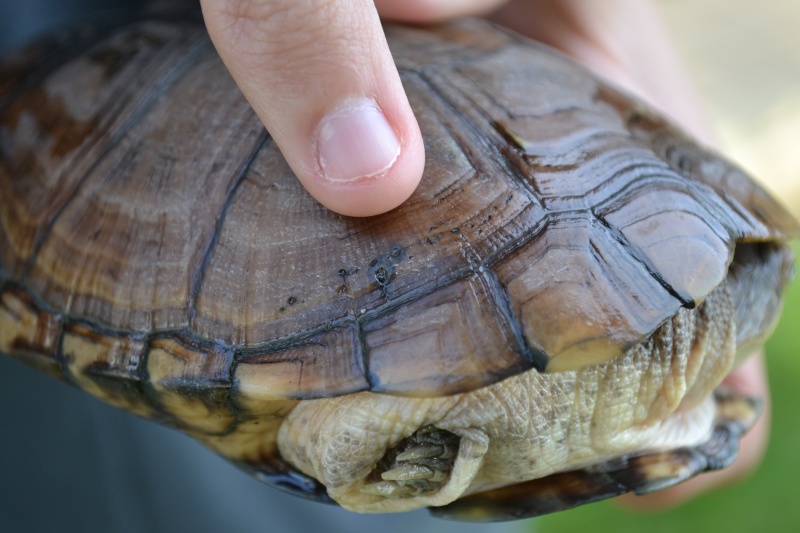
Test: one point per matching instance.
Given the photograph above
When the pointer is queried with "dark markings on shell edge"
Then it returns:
(35, 333)
(195, 371)
(277, 473)
(208, 250)
(152, 98)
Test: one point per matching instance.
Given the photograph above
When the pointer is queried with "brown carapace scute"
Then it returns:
(559, 298)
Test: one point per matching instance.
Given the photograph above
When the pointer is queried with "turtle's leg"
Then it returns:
(420, 464)
(640, 473)
(376, 453)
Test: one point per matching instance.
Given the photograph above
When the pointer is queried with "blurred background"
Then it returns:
(745, 60)
(64, 456)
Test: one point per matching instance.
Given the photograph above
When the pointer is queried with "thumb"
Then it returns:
(320, 76)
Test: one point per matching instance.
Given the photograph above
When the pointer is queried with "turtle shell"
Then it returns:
(157, 251)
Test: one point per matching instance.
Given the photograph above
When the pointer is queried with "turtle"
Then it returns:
(546, 322)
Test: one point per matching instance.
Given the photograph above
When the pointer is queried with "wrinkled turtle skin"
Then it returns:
(544, 323)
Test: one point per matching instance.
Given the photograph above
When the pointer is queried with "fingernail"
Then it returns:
(356, 141)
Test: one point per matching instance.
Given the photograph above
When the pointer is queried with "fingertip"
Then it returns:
(322, 79)
(368, 162)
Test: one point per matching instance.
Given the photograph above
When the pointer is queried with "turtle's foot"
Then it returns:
(376, 453)
(420, 464)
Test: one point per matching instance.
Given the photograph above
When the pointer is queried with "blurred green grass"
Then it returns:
(766, 501)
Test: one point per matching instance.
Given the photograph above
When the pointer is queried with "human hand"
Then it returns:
(320, 76)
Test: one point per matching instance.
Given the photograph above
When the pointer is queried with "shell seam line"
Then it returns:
(536, 358)
(640, 258)
(199, 275)
(502, 159)
(168, 81)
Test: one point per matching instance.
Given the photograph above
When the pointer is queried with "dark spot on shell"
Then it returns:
(282, 309)
(342, 289)
(381, 273)
(455, 230)
(373, 262)
(291, 300)
(396, 252)
(381, 276)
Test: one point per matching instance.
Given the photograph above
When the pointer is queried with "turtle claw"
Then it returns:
(420, 464)
(420, 451)
(408, 472)
(388, 489)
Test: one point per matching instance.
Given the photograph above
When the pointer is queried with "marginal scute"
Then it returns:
(107, 366)
(326, 364)
(579, 296)
(191, 381)
(254, 437)
(450, 340)
(773, 220)
(27, 332)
